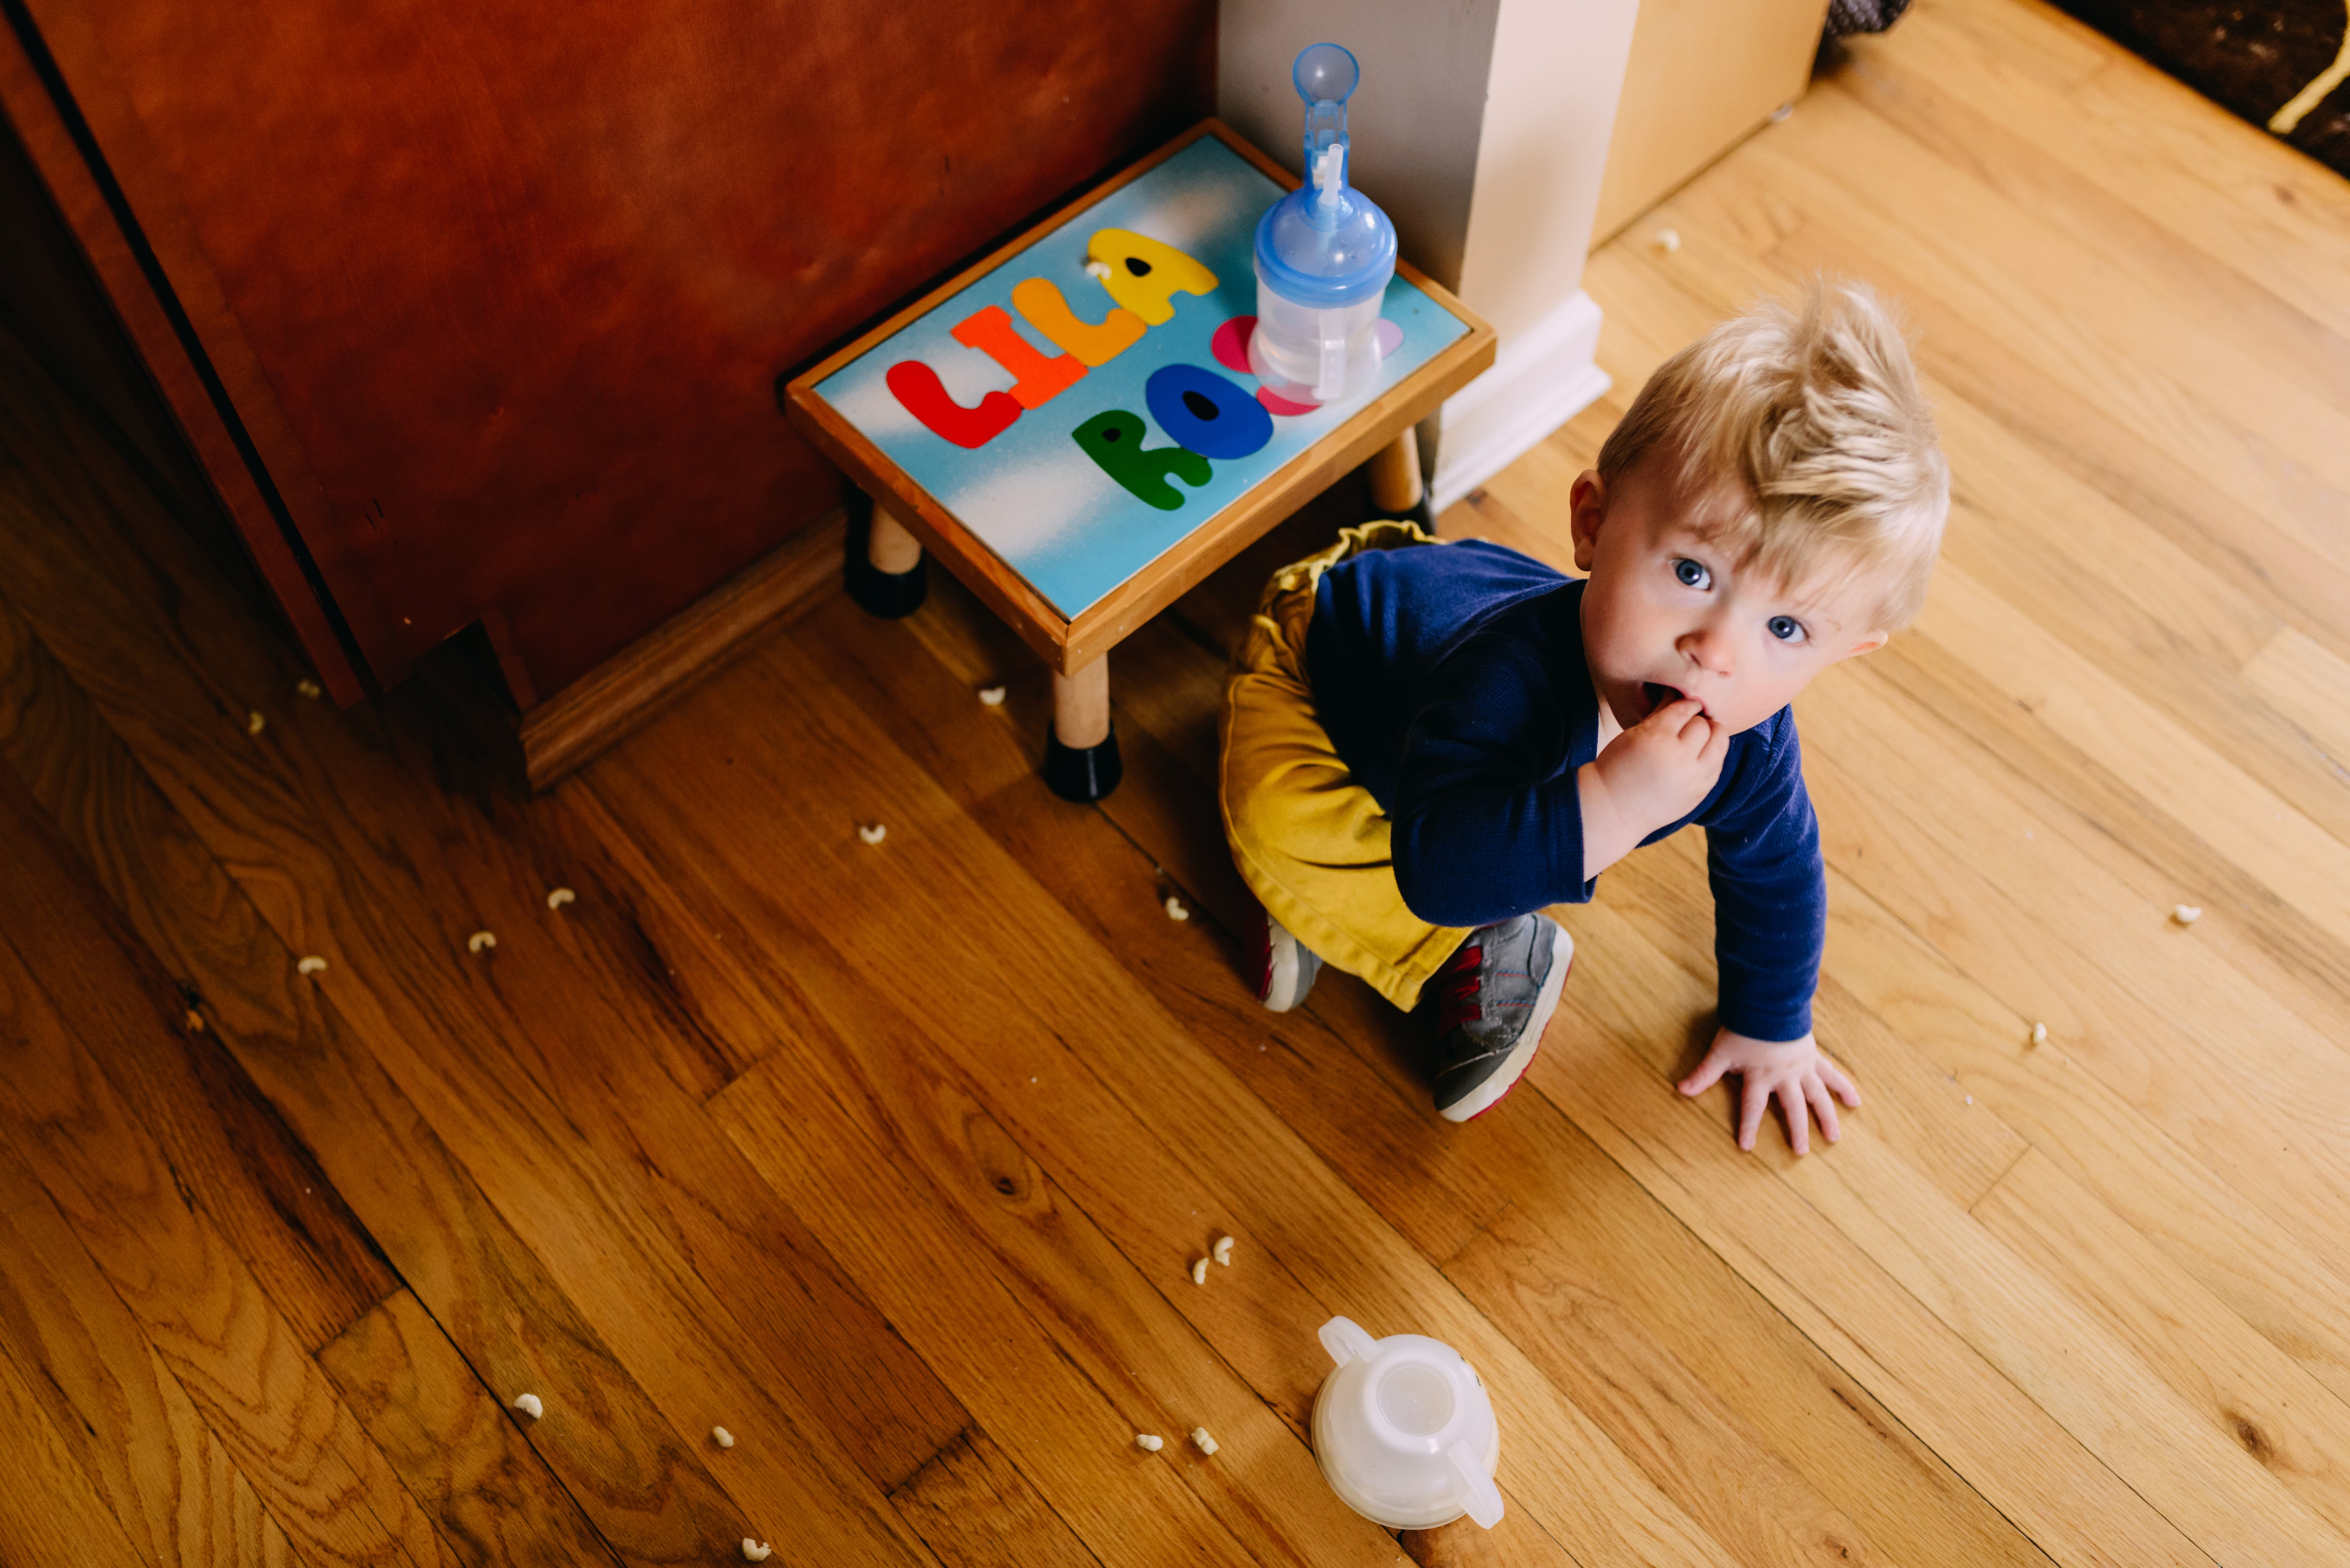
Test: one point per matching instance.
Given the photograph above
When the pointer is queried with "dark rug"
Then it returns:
(2261, 59)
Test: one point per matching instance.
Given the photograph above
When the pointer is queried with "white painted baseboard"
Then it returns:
(1540, 380)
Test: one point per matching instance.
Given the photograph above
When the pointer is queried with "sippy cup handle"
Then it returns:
(1346, 1341)
(1484, 1499)
(1330, 378)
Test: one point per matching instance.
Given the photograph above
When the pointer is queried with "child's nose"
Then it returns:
(1711, 650)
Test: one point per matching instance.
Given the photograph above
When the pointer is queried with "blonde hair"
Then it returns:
(1812, 406)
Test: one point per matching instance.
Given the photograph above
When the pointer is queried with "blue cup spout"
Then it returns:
(1325, 244)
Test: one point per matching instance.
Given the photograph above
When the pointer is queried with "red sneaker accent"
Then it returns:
(1457, 1002)
(1261, 955)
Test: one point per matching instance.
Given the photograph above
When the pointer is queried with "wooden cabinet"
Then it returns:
(476, 313)
(1702, 75)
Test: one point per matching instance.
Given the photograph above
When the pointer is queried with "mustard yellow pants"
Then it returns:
(1310, 842)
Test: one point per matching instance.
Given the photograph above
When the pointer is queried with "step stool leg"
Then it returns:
(1081, 761)
(885, 572)
(1397, 488)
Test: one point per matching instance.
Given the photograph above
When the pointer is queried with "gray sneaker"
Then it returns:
(1495, 999)
(1282, 967)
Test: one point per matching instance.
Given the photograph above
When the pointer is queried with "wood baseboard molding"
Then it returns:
(638, 684)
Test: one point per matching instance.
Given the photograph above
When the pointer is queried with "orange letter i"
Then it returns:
(1039, 300)
(1040, 379)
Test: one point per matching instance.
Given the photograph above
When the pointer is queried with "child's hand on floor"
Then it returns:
(1793, 1070)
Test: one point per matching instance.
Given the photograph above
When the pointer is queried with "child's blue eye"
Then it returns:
(1690, 573)
(1787, 629)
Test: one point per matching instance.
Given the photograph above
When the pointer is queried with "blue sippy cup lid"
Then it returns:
(1326, 245)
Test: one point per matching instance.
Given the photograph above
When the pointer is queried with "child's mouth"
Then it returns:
(1659, 696)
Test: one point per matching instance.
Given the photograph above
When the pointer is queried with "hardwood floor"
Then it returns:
(892, 1159)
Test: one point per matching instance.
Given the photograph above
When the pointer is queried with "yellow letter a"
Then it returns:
(1145, 274)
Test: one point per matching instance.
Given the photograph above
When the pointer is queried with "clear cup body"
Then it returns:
(1333, 351)
(1382, 1425)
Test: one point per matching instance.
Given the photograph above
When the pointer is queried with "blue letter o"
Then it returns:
(1202, 410)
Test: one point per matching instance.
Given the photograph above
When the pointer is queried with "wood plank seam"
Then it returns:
(68, 777)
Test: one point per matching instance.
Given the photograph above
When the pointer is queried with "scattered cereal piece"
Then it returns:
(2187, 914)
(308, 688)
(559, 897)
(529, 1404)
(2040, 1034)
(1098, 269)
(873, 835)
(1150, 1443)
(481, 940)
(310, 965)
(1200, 1271)
(1971, 1099)
(721, 1437)
(255, 723)
(1782, 113)
(755, 1551)
(196, 1021)
(1175, 909)
(1201, 1441)
(1224, 1250)
(1669, 240)
(991, 695)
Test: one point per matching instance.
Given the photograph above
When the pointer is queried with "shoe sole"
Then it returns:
(1281, 992)
(1491, 1092)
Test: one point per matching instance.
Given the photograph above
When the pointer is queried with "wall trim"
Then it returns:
(1540, 380)
(643, 680)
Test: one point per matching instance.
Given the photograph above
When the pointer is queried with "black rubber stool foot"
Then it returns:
(892, 596)
(1082, 775)
(1421, 513)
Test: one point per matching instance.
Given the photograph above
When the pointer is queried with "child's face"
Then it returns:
(1670, 614)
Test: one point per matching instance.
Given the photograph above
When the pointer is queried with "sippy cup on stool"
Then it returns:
(1403, 1430)
(1324, 253)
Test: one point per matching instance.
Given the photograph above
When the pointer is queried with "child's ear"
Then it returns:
(1587, 504)
(1869, 644)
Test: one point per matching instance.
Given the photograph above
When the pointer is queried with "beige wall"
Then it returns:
(1702, 75)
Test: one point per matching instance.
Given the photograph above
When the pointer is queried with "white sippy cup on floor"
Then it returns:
(1404, 1432)
(1324, 253)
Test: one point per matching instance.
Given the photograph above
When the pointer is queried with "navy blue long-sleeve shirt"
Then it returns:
(1452, 682)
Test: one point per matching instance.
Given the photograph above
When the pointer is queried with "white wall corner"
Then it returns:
(1549, 113)
(1542, 378)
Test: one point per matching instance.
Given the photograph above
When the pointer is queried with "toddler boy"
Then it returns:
(1426, 743)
